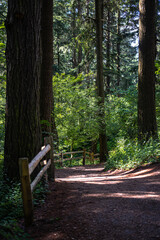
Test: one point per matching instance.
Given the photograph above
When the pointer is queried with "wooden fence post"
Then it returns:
(71, 159)
(26, 191)
(51, 170)
(61, 159)
(84, 157)
(92, 157)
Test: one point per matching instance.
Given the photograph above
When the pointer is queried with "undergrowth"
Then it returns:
(11, 208)
(74, 163)
(130, 154)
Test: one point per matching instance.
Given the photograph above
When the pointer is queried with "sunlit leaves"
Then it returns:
(75, 110)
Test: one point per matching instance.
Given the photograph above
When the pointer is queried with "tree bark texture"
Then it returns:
(118, 44)
(108, 47)
(147, 126)
(87, 65)
(79, 44)
(73, 26)
(22, 130)
(100, 82)
(46, 96)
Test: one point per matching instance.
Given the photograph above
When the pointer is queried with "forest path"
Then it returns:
(86, 203)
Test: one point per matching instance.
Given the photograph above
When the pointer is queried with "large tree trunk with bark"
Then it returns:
(100, 83)
(118, 45)
(46, 96)
(108, 45)
(79, 44)
(73, 26)
(22, 131)
(147, 126)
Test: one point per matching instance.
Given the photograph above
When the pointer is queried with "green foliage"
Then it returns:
(10, 198)
(157, 72)
(75, 111)
(121, 115)
(2, 118)
(158, 105)
(73, 163)
(11, 208)
(129, 154)
(40, 193)
(72, 30)
(125, 152)
(10, 230)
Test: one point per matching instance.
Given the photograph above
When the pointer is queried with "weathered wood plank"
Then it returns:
(26, 191)
(72, 152)
(35, 161)
(84, 157)
(97, 154)
(59, 154)
(51, 170)
(39, 176)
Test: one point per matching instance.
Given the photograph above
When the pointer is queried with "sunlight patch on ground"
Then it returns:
(56, 236)
(151, 183)
(139, 195)
(82, 178)
(96, 176)
(144, 175)
(103, 182)
(94, 169)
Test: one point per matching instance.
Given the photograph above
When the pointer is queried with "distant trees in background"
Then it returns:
(74, 28)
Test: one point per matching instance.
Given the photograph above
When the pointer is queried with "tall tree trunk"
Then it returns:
(88, 8)
(108, 47)
(118, 46)
(157, 28)
(100, 83)
(79, 44)
(87, 54)
(73, 26)
(46, 97)
(147, 126)
(58, 53)
(22, 130)
(46, 100)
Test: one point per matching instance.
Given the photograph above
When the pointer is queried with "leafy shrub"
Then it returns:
(10, 211)
(121, 116)
(10, 229)
(129, 154)
(75, 111)
(11, 208)
(40, 192)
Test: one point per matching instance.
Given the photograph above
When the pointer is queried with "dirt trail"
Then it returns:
(87, 203)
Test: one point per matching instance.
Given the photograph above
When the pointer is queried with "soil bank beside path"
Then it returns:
(86, 203)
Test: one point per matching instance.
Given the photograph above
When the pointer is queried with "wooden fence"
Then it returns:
(85, 155)
(26, 169)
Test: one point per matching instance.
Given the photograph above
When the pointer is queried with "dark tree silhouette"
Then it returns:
(147, 126)
(22, 131)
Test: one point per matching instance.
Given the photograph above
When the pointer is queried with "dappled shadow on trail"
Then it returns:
(87, 203)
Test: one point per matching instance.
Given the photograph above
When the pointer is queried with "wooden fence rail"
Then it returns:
(85, 155)
(26, 169)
